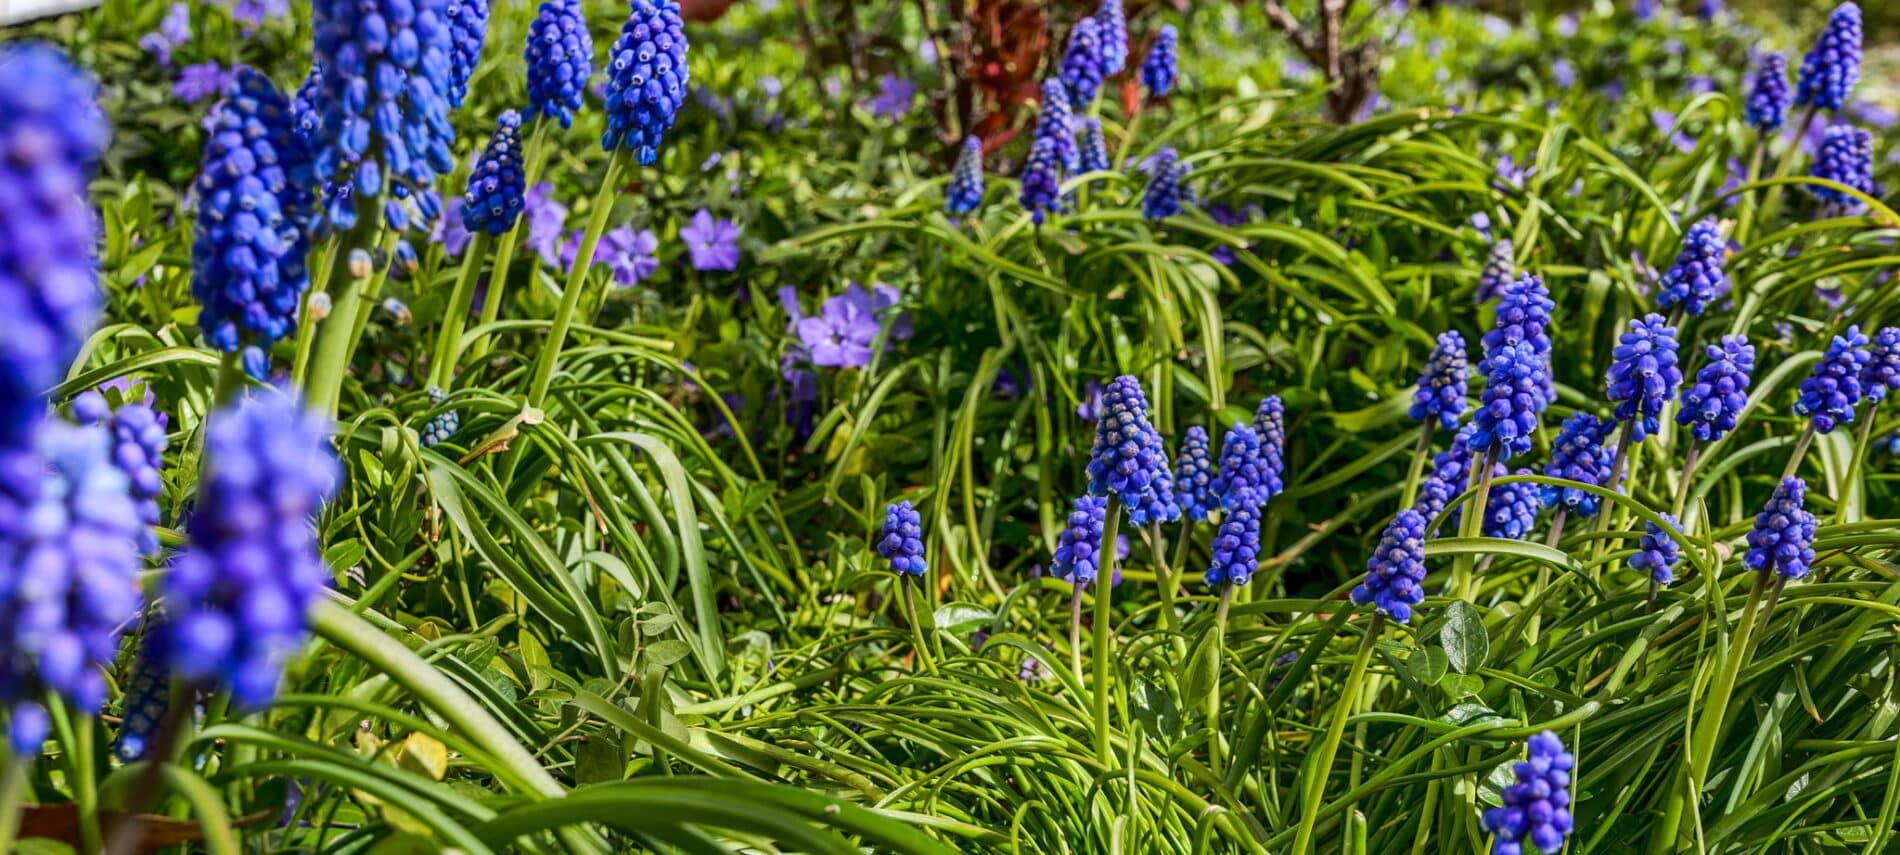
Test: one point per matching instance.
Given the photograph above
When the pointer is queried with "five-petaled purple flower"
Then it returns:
(714, 244)
(200, 81)
(893, 99)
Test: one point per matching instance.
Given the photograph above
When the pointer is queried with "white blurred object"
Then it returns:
(18, 11)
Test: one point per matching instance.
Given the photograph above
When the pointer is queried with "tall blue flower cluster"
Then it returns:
(1235, 549)
(1523, 319)
(386, 67)
(1162, 198)
(1768, 96)
(1832, 66)
(468, 28)
(1513, 396)
(1511, 512)
(237, 598)
(1395, 574)
(138, 449)
(1716, 399)
(1093, 155)
(1113, 25)
(1657, 551)
(646, 80)
(1241, 480)
(1643, 374)
(1846, 157)
(1079, 546)
(444, 425)
(966, 179)
(51, 136)
(1696, 280)
(1042, 179)
(1500, 269)
(1441, 388)
(1269, 423)
(1128, 461)
(560, 58)
(1082, 64)
(1536, 808)
(306, 107)
(1450, 475)
(902, 541)
(249, 247)
(69, 567)
(496, 185)
(1158, 69)
(1580, 454)
(1831, 393)
(1194, 475)
(146, 697)
(1882, 372)
(1783, 537)
(1056, 122)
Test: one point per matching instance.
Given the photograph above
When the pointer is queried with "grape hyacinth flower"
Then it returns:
(1783, 537)
(1831, 393)
(647, 79)
(1882, 372)
(1846, 157)
(1441, 388)
(1093, 155)
(253, 195)
(1832, 66)
(1507, 410)
(1158, 68)
(1236, 549)
(1768, 97)
(1078, 548)
(902, 541)
(1536, 809)
(1512, 510)
(1162, 198)
(1127, 461)
(1056, 122)
(237, 597)
(444, 425)
(493, 202)
(138, 449)
(1041, 179)
(1523, 321)
(468, 28)
(1716, 399)
(1082, 64)
(1643, 376)
(966, 179)
(1449, 476)
(1269, 423)
(1499, 268)
(1657, 551)
(1240, 481)
(1696, 280)
(1194, 476)
(1112, 23)
(386, 67)
(560, 58)
(1578, 455)
(1395, 575)
(146, 697)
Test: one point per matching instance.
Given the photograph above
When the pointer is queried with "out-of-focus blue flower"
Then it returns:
(1846, 157)
(646, 80)
(1241, 481)
(1882, 371)
(449, 232)
(494, 199)
(1093, 155)
(143, 704)
(712, 243)
(1194, 475)
(1716, 399)
(1831, 393)
(199, 81)
(966, 179)
(902, 541)
(1499, 269)
(894, 98)
(237, 598)
(1563, 72)
(1657, 551)
(1643, 374)
(1112, 24)
(1441, 387)
(444, 425)
(1082, 63)
(1783, 537)
(1536, 808)
(1511, 511)
(1395, 574)
(1162, 198)
(1042, 179)
(1768, 97)
(468, 24)
(1158, 69)
(1078, 549)
(1696, 281)
(560, 58)
(138, 449)
(1056, 122)
(1832, 66)
(547, 221)
(1670, 127)
(1128, 461)
(253, 13)
(1235, 549)
(1578, 454)
(841, 334)
(1510, 176)
(1090, 409)
(174, 30)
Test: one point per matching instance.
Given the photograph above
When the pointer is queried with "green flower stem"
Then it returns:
(1219, 641)
(1772, 204)
(336, 342)
(306, 324)
(1747, 217)
(1800, 451)
(1856, 475)
(12, 788)
(442, 373)
(907, 591)
(1690, 457)
(535, 159)
(1075, 635)
(1557, 521)
(230, 379)
(576, 282)
(1320, 771)
(1417, 471)
(1470, 524)
(1164, 575)
(85, 786)
(1104, 587)
(1708, 725)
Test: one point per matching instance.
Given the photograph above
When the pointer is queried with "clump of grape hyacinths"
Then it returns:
(1041, 180)
(1093, 155)
(1158, 69)
(1395, 574)
(902, 540)
(1882, 371)
(1833, 390)
(444, 425)
(1657, 551)
(560, 58)
(1846, 157)
(138, 449)
(1536, 808)
(1696, 281)
(647, 79)
(1577, 454)
(1783, 537)
(1441, 388)
(1832, 66)
(966, 179)
(1082, 71)
(1643, 375)
(1768, 96)
(69, 566)
(468, 25)
(1162, 198)
(384, 95)
(1194, 475)
(1235, 548)
(1240, 481)
(1078, 548)
(1112, 23)
(1128, 462)
(237, 598)
(51, 137)
(1716, 399)
(1512, 510)
(1056, 122)
(494, 200)
(1499, 268)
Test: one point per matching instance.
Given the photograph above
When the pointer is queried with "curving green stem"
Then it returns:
(1335, 729)
(1104, 584)
(1164, 574)
(1857, 479)
(1471, 524)
(1800, 451)
(576, 282)
(910, 616)
(12, 788)
(1417, 470)
(1213, 691)
(442, 372)
(1708, 726)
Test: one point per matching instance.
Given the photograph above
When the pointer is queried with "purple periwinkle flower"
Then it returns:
(1395, 574)
(712, 243)
(894, 98)
(174, 30)
(547, 222)
(199, 81)
(1783, 537)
